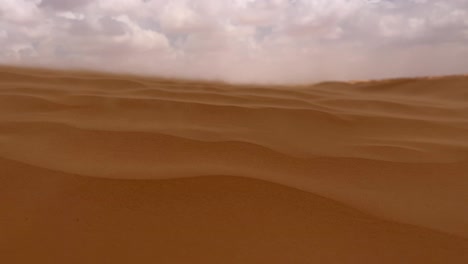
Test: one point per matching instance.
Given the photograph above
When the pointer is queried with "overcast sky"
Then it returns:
(240, 40)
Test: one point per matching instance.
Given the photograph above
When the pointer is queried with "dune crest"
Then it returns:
(385, 162)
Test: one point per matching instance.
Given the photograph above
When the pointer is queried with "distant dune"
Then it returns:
(106, 168)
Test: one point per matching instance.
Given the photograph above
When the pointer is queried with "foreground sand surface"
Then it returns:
(100, 168)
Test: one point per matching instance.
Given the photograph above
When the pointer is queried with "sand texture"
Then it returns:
(106, 168)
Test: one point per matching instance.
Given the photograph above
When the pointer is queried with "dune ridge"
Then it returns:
(383, 163)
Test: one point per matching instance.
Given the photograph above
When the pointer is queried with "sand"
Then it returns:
(107, 168)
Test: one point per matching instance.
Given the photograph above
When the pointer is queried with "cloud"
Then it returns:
(19, 11)
(139, 38)
(240, 40)
(179, 16)
(63, 4)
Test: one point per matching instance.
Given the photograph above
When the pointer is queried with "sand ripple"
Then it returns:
(384, 161)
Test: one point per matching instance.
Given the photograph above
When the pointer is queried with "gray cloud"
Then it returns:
(240, 40)
(63, 4)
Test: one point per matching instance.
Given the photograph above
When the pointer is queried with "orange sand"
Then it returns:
(101, 168)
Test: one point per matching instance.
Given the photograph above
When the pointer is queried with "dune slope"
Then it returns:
(120, 168)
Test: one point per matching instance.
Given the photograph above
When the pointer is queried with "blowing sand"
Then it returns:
(100, 168)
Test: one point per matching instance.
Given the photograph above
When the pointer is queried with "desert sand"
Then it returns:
(108, 168)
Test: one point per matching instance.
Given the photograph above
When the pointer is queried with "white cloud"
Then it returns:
(119, 6)
(179, 17)
(71, 15)
(240, 40)
(19, 11)
(139, 38)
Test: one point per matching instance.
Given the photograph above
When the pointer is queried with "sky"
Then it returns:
(259, 41)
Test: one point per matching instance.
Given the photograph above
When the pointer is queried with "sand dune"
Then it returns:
(98, 168)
